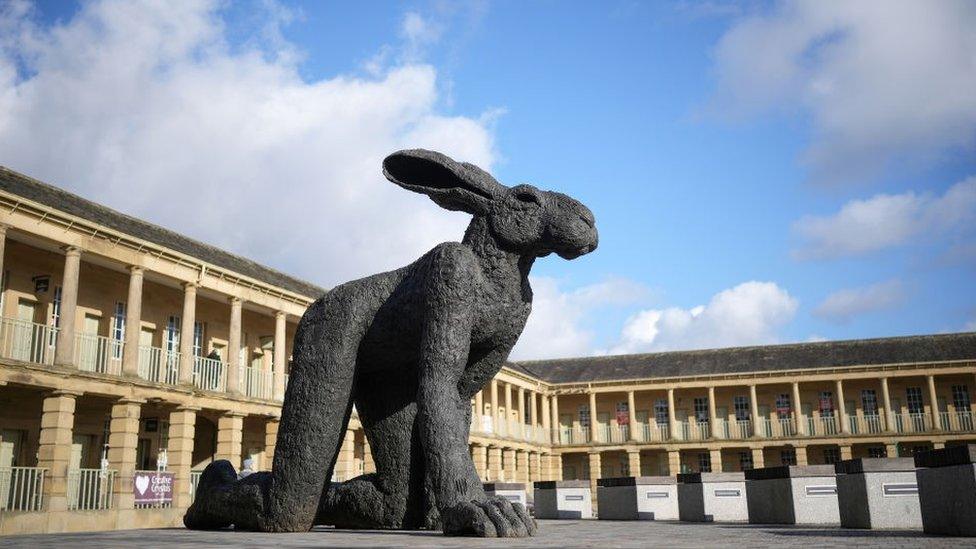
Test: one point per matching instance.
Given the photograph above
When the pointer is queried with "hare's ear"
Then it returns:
(452, 185)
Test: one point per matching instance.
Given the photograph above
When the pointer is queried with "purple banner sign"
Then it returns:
(152, 487)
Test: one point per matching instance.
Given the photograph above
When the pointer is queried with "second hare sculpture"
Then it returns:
(409, 348)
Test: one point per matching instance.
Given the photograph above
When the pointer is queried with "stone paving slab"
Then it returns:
(552, 533)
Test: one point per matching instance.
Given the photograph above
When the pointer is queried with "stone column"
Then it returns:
(133, 323)
(234, 347)
(522, 466)
(280, 355)
(754, 409)
(3, 246)
(508, 465)
(594, 425)
(556, 466)
(632, 427)
(270, 440)
(889, 413)
(187, 323)
(546, 424)
(369, 464)
(672, 421)
(230, 435)
(494, 463)
(715, 460)
(933, 403)
(533, 416)
(758, 461)
(674, 462)
(123, 440)
(846, 452)
(713, 414)
(535, 469)
(801, 455)
(494, 407)
(182, 426)
(346, 460)
(54, 446)
(595, 474)
(554, 405)
(479, 409)
(634, 462)
(798, 417)
(845, 425)
(64, 352)
(521, 412)
(508, 410)
(891, 450)
(479, 454)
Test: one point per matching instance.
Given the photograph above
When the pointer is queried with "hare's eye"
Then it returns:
(527, 197)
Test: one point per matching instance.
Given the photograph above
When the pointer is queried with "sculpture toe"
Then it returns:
(468, 519)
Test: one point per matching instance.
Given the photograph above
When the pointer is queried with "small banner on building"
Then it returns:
(623, 413)
(153, 487)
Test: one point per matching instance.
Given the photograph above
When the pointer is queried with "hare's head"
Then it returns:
(522, 219)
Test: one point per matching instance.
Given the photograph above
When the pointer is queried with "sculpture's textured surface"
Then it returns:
(409, 348)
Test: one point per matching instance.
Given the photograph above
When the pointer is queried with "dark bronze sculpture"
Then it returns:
(409, 348)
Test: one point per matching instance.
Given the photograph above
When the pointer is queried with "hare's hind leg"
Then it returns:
(313, 420)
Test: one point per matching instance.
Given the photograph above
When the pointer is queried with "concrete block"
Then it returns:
(791, 494)
(947, 490)
(878, 493)
(512, 491)
(712, 497)
(638, 498)
(563, 499)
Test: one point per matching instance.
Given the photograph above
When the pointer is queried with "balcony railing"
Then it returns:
(866, 424)
(95, 353)
(159, 365)
(654, 432)
(256, 382)
(21, 488)
(822, 426)
(208, 374)
(913, 422)
(574, 435)
(27, 341)
(694, 430)
(956, 421)
(740, 428)
(616, 434)
(90, 489)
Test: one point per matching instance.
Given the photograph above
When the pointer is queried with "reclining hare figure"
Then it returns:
(409, 348)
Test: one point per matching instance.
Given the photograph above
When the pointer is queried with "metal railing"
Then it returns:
(822, 426)
(655, 432)
(27, 341)
(866, 424)
(256, 382)
(740, 428)
(158, 365)
(22, 488)
(194, 482)
(694, 430)
(95, 353)
(911, 422)
(614, 433)
(90, 489)
(956, 421)
(573, 435)
(780, 427)
(208, 374)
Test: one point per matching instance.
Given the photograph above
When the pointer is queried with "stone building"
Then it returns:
(129, 352)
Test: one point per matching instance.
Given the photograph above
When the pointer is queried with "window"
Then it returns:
(198, 329)
(701, 409)
(877, 452)
(960, 398)
(3, 287)
(118, 329)
(56, 308)
(914, 395)
(173, 334)
(741, 405)
(661, 411)
(704, 462)
(584, 416)
(745, 460)
(624, 468)
(869, 402)
(783, 407)
(826, 404)
(831, 455)
(788, 456)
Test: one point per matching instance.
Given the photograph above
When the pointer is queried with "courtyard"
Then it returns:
(552, 533)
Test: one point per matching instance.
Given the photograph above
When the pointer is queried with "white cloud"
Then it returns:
(748, 314)
(557, 325)
(887, 220)
(842, 305)
(146, 107)
(884, 83)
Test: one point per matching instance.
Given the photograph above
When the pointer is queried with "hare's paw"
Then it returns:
(204, 513)
(494, 517)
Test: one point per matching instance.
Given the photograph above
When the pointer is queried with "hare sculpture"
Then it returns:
(409, 348)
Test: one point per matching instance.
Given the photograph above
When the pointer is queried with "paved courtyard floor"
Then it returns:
(581, 533)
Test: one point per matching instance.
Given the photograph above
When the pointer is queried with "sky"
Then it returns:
(760, 172)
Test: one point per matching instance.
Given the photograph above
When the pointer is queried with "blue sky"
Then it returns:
(759, 172)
